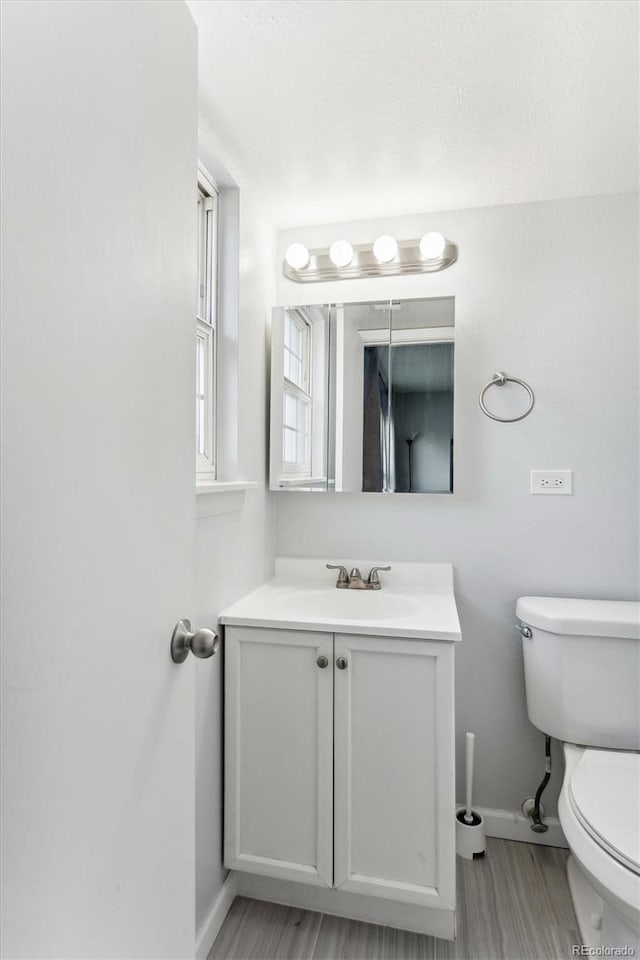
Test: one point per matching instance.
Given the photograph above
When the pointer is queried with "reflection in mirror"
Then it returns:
(362, 397)
(357, 326)
(394, 396)
(408, 418)
(420, 422)
(299, 398)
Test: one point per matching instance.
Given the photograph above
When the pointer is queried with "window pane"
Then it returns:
(211, 265)
(200, 424)
(290, 405)
(205, 357)
(300, 447)
(295, 341)
(200, 391)
(289, 446)
(297, 403)
(302, 416)
(296, 354)
(200, 368)
(201, 255)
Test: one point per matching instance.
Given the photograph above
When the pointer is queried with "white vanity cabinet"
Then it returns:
(278, 814)
(394, 799)
(339, 765)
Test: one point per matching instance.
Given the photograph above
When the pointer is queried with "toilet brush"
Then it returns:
(470, 838)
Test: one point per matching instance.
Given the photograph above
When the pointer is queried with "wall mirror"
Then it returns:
(362, 397)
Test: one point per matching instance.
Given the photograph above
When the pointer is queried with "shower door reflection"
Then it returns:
(408, 417)
(393, 391)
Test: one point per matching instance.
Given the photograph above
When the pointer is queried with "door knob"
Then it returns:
(322, 662)
(202, 643)
(341, 663)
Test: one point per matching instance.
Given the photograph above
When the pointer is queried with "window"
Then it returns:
(297, 398)
(206, 327)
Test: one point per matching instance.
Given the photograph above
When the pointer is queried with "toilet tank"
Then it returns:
(582, 669)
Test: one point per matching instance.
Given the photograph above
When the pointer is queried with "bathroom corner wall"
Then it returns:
(234, 550)
(547, 292)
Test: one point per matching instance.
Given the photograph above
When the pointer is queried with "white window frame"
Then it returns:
(303, 392)
(207, 326)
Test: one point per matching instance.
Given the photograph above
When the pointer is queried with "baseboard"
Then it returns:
(512, 825)
(435, 921)
(211, 927)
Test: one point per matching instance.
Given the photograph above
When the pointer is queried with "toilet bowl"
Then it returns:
(599, 809)
(582, 678)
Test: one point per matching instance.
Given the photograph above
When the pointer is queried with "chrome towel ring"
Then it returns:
(498, 380)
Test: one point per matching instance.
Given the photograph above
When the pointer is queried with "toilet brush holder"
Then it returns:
(470, 837)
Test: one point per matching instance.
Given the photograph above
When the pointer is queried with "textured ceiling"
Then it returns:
(346, 109)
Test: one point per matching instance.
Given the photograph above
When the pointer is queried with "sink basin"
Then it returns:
(416, 601)
(333, 604)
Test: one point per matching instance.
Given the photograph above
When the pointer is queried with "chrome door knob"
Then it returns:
(341, 663)
(322, 662)
(202, 643)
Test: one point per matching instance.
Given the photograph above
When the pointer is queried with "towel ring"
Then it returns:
(498, 380)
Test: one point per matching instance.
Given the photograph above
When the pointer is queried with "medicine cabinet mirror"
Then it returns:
(362, 397)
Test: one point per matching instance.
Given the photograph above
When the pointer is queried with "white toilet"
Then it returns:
(582, 676)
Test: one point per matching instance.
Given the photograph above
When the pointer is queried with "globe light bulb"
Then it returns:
(432, 246)
(297, 256)
(385, 248)
(341, 253)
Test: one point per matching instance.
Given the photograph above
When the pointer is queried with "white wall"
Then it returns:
(234, 550)
(547, 292)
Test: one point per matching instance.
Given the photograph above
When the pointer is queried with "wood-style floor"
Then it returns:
(513, 904)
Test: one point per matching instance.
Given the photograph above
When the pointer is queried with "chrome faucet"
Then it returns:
(343, 577)
(354, 581)
(373, 580)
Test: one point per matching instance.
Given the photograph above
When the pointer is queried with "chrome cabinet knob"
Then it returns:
(202, 643)
(322, 662)
(341, 663)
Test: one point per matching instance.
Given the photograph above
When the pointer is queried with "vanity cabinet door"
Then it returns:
(279, 753)
(394, 776)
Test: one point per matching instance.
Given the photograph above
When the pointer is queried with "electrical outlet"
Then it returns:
(552, 481)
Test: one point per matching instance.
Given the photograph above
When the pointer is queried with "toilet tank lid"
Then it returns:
(591, 618)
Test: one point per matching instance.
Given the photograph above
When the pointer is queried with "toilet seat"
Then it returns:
(616, 883)
(604, 793)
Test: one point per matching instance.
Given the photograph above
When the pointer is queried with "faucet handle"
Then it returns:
(373, 580)
(343, 576)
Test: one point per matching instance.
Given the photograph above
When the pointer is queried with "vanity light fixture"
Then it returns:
(432, 246)
(297, 256)
(341, 253)
(386, 257)
(385, 248)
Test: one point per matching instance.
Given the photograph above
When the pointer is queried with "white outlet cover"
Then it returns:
(552, 482)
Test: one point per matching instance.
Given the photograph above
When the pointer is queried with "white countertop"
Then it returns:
(416, 601)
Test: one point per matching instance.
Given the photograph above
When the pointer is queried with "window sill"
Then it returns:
(287, 483)
(220, 496)
(225, 486)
